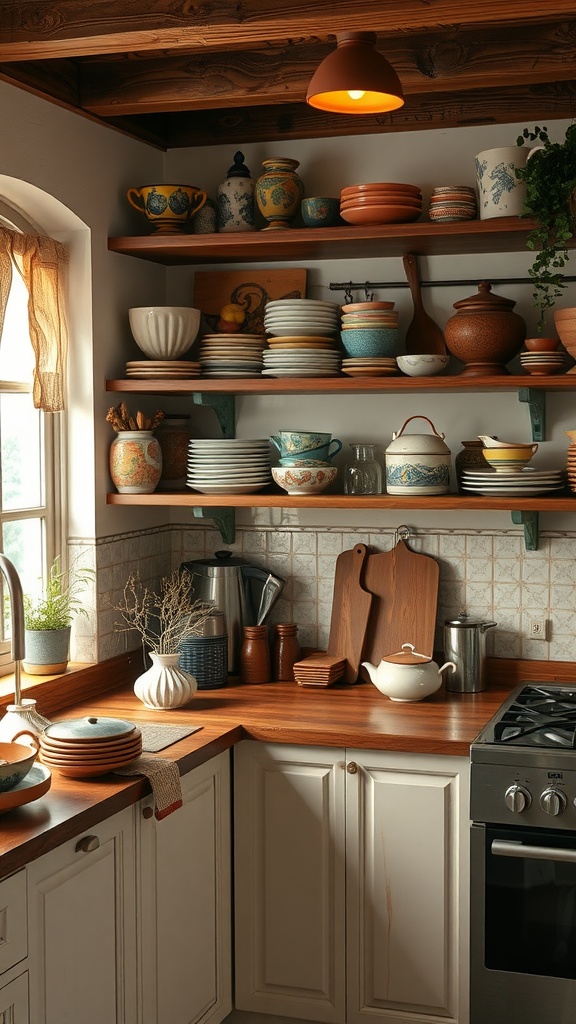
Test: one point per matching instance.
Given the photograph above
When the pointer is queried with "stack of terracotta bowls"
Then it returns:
(452, 203)
(86, 747)
(571, 460)
(370, 339)
(380, 203)
(542, 356)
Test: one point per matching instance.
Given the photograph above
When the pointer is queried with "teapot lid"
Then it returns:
(417, 444)
(485, 301)
(224, 559)
(407, 656)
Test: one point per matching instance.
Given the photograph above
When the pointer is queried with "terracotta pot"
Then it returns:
(484, 333)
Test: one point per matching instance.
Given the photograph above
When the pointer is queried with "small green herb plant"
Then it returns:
(550, 179)
(60, 601)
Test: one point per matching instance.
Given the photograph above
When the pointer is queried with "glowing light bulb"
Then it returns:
(356, 94)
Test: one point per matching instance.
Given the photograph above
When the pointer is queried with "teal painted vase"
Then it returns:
(279, 192)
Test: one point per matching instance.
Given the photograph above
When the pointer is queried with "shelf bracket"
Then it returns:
(224, 520)
(223, 406)
(529, 520)
(537, 404)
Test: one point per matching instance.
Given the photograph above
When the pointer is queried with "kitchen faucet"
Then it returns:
(17, 613)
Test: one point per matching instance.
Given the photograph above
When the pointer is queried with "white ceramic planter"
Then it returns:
(164, 685)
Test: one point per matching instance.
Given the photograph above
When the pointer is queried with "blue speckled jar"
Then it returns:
(235, 201)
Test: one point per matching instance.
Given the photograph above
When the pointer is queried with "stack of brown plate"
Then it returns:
(319, 670)
(162, 369)
(380, 203)
(86, 747)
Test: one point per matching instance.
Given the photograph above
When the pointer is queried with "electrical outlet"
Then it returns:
(538, 629)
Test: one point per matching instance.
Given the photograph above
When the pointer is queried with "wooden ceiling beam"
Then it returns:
(456, 60)
(50, 29)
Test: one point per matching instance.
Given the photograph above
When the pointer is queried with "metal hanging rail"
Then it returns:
(369, 286)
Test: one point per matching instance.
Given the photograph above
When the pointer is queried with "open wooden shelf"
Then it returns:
(504, 234)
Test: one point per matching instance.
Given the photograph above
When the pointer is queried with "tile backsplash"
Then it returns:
(487, 574)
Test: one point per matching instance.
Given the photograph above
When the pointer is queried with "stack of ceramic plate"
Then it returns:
(229, 466)
(231, 355)
(162, 369)
(571, 466)
(527, 482)
(544, 363)
(380, 203)
(301, 362)
(86, 747)
(452, 202)
(369, 366)
(301, 318)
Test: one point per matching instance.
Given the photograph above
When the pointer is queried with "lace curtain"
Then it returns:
(41, 262)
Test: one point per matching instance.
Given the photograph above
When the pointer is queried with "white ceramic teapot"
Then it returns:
(407, 675)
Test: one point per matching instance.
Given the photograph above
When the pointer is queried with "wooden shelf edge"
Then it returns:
(191, 499)
(338, 385)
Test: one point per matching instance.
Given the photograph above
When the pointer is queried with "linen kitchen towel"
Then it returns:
(164, 778)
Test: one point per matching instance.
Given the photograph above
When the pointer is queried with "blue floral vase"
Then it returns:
(235, 201)
(279, 192)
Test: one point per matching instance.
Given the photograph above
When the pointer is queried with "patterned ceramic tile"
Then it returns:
(478, 570)
(506, 596)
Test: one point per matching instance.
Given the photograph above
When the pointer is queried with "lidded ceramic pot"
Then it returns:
(484, 333)
(418, 463)
(235, 201)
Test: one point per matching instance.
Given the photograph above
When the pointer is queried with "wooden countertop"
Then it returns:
(354, 716)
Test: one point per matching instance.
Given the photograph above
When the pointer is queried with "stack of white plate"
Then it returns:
(300, 317)
(544, 363)
(162, 369)
(526, 483)
(229, 466)
(301, 362)
(232, 355)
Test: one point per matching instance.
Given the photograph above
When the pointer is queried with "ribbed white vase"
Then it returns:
(164, 685)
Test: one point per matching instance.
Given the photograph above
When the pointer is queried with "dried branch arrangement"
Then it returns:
(163, 619)
(120, 418)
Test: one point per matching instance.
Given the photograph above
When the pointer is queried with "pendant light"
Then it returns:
(355, 78)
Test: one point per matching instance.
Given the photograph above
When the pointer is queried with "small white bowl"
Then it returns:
(164, 332)
(304, 479)
(422, 365)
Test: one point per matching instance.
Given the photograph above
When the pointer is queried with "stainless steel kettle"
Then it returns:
(245, 593)
(465, 645)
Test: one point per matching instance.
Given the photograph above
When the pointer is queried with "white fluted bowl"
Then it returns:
(164, 332)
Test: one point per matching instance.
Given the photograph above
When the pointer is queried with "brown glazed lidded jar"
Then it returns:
(470, 457)
(484, 333)
(255, 661)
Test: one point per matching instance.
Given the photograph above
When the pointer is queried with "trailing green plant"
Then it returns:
(550, 179)
(60, 601)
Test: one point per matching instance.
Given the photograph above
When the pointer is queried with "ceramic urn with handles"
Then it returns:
(418, 463)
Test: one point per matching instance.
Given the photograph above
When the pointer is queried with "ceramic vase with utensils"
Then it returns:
(135, 462)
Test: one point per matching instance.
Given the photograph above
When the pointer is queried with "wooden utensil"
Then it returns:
(423, 336)
(351, 605)
(404, 585)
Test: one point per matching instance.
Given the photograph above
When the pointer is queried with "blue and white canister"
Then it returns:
(235, 201)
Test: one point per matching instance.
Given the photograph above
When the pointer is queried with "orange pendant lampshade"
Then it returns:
(355, 78)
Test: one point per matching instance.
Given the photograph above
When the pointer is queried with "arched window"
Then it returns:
(30, 449)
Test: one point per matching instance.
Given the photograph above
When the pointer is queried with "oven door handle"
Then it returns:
(501, 848)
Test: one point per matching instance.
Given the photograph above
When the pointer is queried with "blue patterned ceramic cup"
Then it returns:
(500, 194)
(168, 208)
(298, 444)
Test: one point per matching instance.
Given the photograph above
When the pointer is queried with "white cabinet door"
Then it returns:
(14, 1001)
(289, 881)
(407, 885)
(185, 902)
(351, 884)
(81, 928)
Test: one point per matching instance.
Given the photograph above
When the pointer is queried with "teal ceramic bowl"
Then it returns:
(320, 212)
(382, 341)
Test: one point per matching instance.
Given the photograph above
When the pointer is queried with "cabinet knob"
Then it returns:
(87, 844)
(147, 812)
(352, 767)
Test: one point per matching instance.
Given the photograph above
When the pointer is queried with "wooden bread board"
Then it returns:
(351, 605)
(404, 585)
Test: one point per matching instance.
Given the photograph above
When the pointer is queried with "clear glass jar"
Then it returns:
(364, 474)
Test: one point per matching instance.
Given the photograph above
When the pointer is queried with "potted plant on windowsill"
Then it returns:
(48, 618)
(550, 180)
(163, 620)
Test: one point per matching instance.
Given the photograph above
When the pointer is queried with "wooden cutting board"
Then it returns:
(251, 289)
(351, 605)
(404, 585)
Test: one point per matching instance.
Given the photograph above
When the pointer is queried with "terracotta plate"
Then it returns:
(36, 783)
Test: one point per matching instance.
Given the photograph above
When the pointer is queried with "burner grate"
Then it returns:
(539, 716)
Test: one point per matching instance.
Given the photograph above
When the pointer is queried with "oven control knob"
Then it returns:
(553, 801)
(517, 799)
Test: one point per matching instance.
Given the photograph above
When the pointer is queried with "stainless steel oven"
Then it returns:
(523, 861)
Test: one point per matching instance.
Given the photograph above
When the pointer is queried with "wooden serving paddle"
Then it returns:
(351, 605)
(423, 336)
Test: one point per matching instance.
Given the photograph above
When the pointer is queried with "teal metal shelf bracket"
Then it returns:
(537, 404)
(529, 520)
(224, 520)
(223, 406)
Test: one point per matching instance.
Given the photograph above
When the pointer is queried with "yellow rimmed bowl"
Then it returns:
(509, 460)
